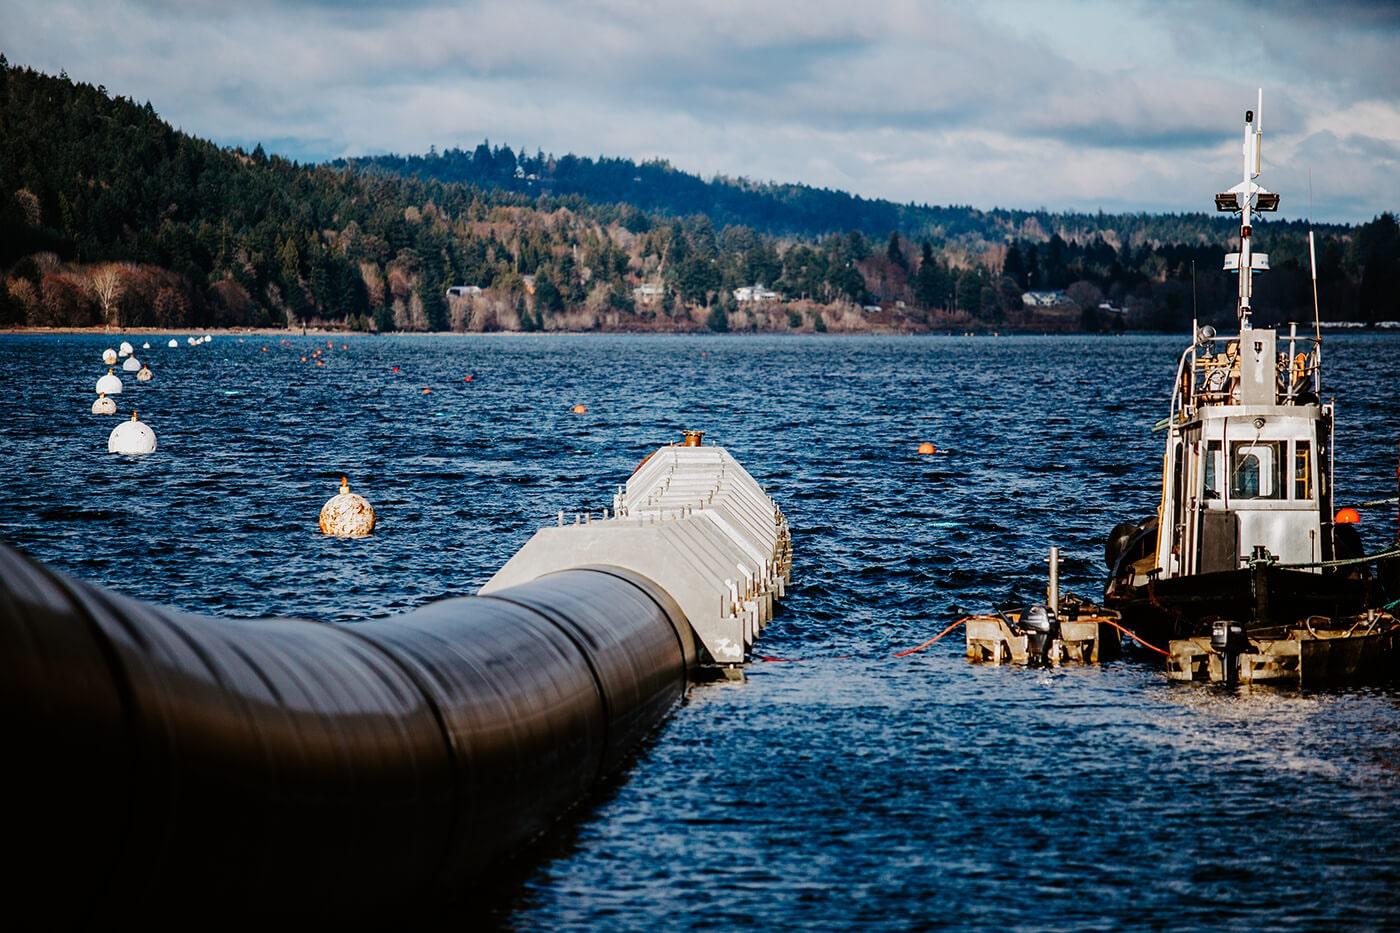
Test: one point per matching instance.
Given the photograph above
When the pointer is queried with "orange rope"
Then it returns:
(1134, 637)
(917, 649)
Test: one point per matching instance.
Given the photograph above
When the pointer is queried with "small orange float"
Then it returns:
(927, 448)
(580, 409)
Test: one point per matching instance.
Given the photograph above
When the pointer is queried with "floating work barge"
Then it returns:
(1061, 631)
(1335, 651)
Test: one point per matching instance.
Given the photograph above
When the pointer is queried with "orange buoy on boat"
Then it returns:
(1348, 516)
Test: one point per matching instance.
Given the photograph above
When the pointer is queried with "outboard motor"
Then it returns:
(1228, 640)
(1041, 628)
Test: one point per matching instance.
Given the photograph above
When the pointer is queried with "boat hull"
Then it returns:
(1256, 597)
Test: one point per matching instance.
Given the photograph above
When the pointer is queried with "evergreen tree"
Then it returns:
(1014, 267)
(894, 253)
(547, 295)
(931, 284)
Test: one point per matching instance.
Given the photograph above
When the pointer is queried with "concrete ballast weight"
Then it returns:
(692, 519)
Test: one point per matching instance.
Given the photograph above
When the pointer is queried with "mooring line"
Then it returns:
(917, 648)
(1137, 638)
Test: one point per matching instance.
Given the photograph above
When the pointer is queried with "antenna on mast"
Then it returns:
(1195, 325)
(1312, 263)
(1259, 135)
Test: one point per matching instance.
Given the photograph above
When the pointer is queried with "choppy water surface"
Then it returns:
(849, 787)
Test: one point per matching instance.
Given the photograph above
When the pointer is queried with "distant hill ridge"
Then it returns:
(789, 209)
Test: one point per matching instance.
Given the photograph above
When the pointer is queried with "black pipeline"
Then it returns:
(160, 760)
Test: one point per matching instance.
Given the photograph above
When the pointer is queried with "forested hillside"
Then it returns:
(109, 216)
(790, 209)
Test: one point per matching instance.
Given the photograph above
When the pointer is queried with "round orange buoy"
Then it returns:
(264, 349)
(1348, 516)
(303, 359)
(468, 378)
(395, 369)
(580, 409)
(319, 363)
(927, 448)
(427, 391)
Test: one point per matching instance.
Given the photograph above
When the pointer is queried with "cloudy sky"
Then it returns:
(1112, 105)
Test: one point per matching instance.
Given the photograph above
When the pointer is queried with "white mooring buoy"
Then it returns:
(146, 345)
(347, 515)
(132, 438)
(109, 357)
(173, 343)
(144, 375)
(131, 365)
(111, 384)
(125, 349)
(104, 405)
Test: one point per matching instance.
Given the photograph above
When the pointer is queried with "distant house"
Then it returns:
(1044, 299)
(649, 292)
(755, 293)
(463, 291)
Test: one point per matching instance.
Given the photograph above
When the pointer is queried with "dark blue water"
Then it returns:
(849, 788)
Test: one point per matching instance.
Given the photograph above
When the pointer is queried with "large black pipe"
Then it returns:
(161, 761)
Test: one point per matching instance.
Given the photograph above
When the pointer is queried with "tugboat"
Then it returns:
(1244, 570)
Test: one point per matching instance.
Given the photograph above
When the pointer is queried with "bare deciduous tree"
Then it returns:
(107, 284)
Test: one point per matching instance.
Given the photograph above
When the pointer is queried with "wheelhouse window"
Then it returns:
(1302, 470)
(1213, 471)
(1256, 470)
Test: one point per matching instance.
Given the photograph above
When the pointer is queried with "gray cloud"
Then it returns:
(1011, 104)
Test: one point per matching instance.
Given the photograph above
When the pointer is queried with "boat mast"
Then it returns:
(1252, 152)
(1248, 199)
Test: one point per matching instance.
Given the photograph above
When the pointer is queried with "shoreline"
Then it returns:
(1337, 327)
